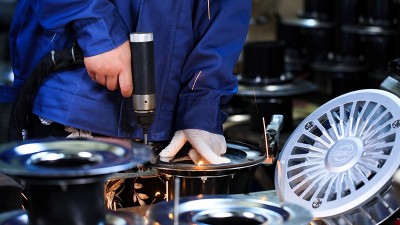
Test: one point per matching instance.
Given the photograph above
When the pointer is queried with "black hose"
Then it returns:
(56, 61)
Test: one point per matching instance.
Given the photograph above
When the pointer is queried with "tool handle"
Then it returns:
(143, 72)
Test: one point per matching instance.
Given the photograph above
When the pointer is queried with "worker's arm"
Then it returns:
(100, 32)
(220, 30)
(208, 70)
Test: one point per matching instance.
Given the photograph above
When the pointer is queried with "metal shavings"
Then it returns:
(111, 192)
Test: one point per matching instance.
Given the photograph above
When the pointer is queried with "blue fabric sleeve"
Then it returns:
(98, 26)
(208, 71)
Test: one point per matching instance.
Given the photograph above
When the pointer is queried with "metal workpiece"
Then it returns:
(69, 174)
(239, 209)
(20, 217)
(211, 179)
(340, 161)
(68, 158)
(242, 155)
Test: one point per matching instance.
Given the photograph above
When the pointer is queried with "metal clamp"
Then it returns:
(270, 141)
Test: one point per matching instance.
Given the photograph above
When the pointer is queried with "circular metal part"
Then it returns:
(369, 30)
(20, 217)
(222, 210)
(69, 174)
(69, 158)
(307, 23)
(211, 179)
(295, 87)
(241, 155)
(341, 168)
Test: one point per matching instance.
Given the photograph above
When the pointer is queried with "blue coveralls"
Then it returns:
(187, 42)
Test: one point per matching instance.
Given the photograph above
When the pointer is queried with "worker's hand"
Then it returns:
(112, 69)
(207, 146)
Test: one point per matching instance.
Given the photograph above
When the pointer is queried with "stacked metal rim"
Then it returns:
(266, 86)
(340, 162)
(227, 210)
(65, 179)
(211, 179)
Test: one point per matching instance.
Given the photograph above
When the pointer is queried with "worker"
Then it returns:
(196, 46)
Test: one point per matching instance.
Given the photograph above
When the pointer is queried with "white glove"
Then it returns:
(207, 146)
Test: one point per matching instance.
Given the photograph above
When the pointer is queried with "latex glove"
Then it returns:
(112, 69)
(206, 146)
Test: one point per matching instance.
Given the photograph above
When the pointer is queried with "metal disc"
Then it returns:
(68, 158)
(296, 87)
(241, 155)
(339, 162)
(20, 217)
(221, 209)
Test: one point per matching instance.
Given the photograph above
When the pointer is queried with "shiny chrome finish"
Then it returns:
(210, 179)
(241, 209)
(295, 87)
(64, 178)
(68, 158)
(144, 102)
(20, 217)
(340, 161)
(308, 23)
(141, 37)
(241, 155)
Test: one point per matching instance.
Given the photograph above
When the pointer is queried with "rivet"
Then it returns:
(309, 125)
(396, 124)
(317, 203)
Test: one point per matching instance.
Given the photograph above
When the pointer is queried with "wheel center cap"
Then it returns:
(344, 154)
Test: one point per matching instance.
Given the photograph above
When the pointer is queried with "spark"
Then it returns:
(196, 79)
(200, 163)
(265, 137)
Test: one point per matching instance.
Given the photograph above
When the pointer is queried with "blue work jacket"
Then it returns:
(191, 37)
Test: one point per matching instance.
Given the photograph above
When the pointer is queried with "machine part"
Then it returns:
(20, 217)
(61, 158)
(213, 179)
(64, 179)
(264, 64)
(339, 162)
(379, 45)
(270, 140)
(337, 77)
(380, 13)
(241, 155)
(144, 81)
(237, 209)
(314, 9)
(307, 38)
(296, 87)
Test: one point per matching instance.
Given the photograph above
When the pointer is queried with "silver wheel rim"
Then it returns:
(343, 154)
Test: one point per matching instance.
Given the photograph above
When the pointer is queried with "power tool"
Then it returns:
(143, 77)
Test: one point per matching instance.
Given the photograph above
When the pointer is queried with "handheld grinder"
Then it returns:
(143, 77)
